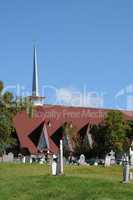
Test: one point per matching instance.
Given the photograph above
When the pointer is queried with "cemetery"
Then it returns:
(69, 136)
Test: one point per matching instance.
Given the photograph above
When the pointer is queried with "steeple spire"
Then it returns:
(35, 98)
(35, 81)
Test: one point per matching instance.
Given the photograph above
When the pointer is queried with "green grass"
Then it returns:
(34, 182)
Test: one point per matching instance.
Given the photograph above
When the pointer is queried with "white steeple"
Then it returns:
(35, 81)
(36, 99)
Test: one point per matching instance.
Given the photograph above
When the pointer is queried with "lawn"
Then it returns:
(34, 182)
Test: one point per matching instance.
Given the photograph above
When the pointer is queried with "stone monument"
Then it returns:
(8, 157)
(112, 157)
(131, 156)
(107, 160)
(54, 165)
(82, 160)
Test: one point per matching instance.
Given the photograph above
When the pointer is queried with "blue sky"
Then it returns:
(80, 44)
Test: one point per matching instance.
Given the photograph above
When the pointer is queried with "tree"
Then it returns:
(75, 142)
(1, 86)
(69, 133)
(129, 133)
(82, 146)
(24, 104)
(5, 133)
(8, 109)
(7, 97)
(111, 134)
(6, 125)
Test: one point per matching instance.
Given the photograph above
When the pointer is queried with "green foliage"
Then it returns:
(1, 86)
(69, 129)
(112, 134)
(6, 114)
(5, 133)
(79, 145)
(130, 131)
(24, 104)
(7, 97)
(5, 129)
(69, 133)
(8, 109)
(82, 146)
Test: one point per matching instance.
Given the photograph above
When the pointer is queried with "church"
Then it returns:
(44, 130)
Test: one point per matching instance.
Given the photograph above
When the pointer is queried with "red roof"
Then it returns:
(54, 116)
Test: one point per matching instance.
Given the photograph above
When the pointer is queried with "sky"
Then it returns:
(84, 49)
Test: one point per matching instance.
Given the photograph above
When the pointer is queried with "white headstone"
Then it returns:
(131, 155)
(112, 157)
(8, 158)
(23, 159)
(107, 160)
(54, 165)
(30, 160)
(82, 159)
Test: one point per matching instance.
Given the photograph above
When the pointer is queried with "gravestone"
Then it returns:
(23, 159)
(131, 176)
(30, 160)
(54, 165)
(42, 160)
(131, 156)
(82, 160)
(126, 170)
(107, 160)
(112, 157)
(8, 157)
(5, 158)
(95, 163)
